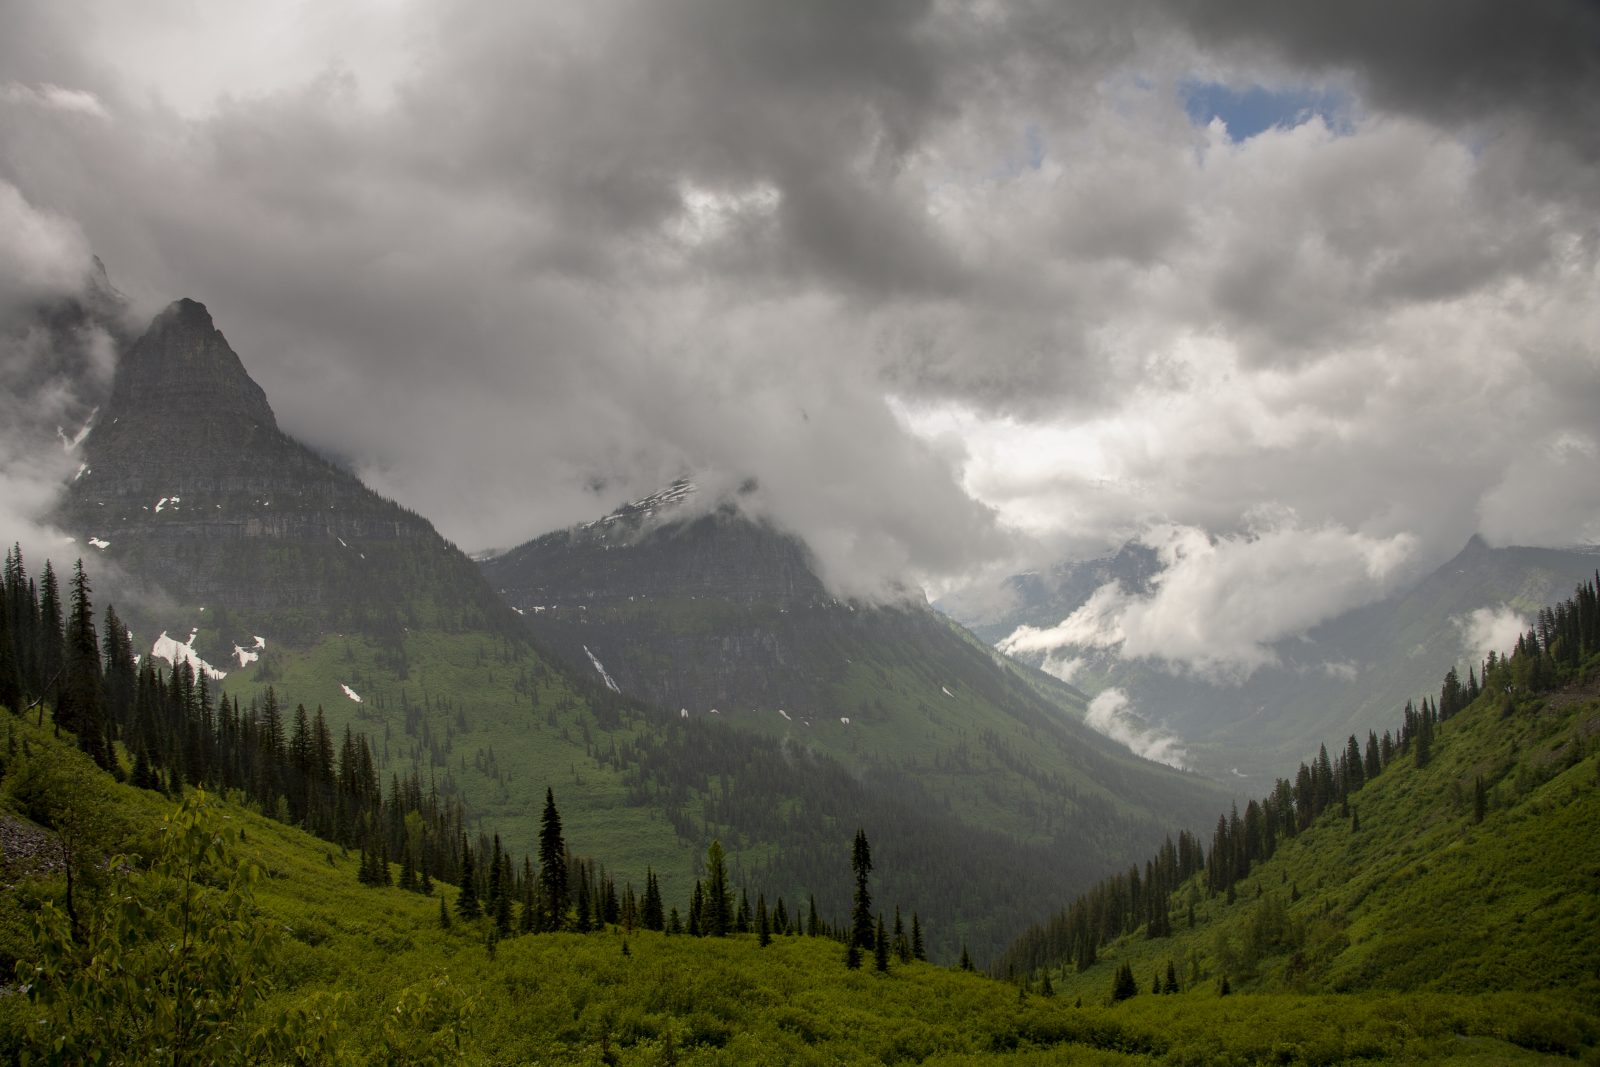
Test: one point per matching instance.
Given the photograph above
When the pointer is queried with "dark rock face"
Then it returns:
(196, 494)
(183, 368)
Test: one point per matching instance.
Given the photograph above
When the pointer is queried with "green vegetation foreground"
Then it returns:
(291, 960)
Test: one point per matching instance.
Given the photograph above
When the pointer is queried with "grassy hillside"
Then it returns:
(366, 975)
(1411, 891)
(978, 829)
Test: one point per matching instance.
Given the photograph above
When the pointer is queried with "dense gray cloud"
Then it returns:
(961, 286)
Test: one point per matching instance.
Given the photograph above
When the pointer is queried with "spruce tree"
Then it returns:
(582, 921)
(918, 952)
(467, 900)
(717, 917)
(651, 917)
(1480, 800)
(552, 861)
(743, 918)
(444, 914)
(902, 944)
(880, 946)
(528, 917)
(861, 916)
(80, 704)
(1123, 984)
(10, 667)
(1172, 979)
(763, 924)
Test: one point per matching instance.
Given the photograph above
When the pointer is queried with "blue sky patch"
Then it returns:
(1250, 111)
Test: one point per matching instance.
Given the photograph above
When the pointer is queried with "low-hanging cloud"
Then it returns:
(1219, 603)
(1113, 714)
(56, 361)
(1489, 629)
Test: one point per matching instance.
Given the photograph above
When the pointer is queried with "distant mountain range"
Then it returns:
(1348, 675)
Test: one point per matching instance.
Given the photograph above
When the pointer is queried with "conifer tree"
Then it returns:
(51, 643)
(861, 916)
(918, 952)
(717, 917)
(902, 944)
(743, 917)
(467, 900)
(1172, 979)
(880, 946)
(1123, 984)
(10, 667)
(80, 704)
(813, 924)
(763, 924)
(444, 913)
(552, 861)
(1480, 800)
(582, 921)
(528, 917)
(651, 917)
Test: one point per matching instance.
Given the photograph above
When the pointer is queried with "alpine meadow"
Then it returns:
(698, 532)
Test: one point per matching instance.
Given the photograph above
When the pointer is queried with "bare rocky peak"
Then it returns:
(184, 366)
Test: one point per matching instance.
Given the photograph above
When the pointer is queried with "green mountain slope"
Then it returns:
(1474, 872)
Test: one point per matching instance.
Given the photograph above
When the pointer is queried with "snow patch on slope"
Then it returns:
(351, 693)
(175, 652)
(610, 682)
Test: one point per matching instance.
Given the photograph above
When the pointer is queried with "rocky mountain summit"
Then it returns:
(188, 485)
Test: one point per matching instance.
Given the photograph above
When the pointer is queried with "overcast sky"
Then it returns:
(1282, 287)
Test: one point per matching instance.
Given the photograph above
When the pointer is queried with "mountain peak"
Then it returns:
(183, 365)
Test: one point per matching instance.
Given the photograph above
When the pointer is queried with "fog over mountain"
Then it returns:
(1294, 295)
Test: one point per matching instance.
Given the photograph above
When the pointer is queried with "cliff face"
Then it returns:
(190, 487)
